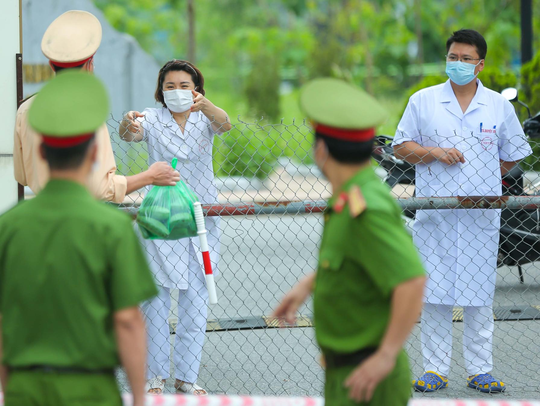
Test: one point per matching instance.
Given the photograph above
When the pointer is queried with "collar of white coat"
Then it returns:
(447, 94)
(193, 116)
(452, 105)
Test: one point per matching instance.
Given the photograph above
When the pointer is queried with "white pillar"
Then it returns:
(11, 45)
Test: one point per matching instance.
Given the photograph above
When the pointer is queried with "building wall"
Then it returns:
(9, 32)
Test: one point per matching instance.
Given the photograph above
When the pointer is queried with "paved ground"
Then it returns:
(262, 257)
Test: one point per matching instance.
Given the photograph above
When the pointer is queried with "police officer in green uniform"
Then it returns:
(72, 273)
(369, 283)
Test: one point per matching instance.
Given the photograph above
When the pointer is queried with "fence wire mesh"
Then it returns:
(234, 348)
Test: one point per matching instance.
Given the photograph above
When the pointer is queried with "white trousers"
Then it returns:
(190, 331)
(436, 334)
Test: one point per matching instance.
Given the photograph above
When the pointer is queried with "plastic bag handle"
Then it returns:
(174, 162)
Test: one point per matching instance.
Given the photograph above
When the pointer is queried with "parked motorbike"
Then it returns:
(519, 242)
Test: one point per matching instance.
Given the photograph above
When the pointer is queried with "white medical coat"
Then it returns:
(169, 260)
(459, 247)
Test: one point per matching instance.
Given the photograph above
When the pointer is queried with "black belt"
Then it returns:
(61, 370)
(339, 360)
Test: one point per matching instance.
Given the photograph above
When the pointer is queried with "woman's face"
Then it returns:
(178, 79)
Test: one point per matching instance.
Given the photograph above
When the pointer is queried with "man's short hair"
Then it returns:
(347, 152)
(59, 69)
(67, 158)
(471, 37)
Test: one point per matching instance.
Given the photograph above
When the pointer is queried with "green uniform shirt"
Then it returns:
(67, 263)
(361, 260)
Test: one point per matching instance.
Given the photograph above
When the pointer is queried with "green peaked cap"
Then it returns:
(73, 103)
(336, 103)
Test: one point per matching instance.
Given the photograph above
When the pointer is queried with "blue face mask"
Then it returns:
(460, 73)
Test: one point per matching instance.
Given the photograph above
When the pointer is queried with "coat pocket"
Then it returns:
(330, 260)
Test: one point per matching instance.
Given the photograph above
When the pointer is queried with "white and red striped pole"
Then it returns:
(208, 274)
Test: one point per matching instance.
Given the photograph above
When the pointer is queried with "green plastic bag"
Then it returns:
(166, 212)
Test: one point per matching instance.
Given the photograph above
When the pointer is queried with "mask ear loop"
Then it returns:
(476, 66)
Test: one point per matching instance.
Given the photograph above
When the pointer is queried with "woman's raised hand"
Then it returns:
(200, 103)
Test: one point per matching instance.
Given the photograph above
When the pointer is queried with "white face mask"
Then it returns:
(178, 100)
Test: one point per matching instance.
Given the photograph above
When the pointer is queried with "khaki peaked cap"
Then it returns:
(73, 37)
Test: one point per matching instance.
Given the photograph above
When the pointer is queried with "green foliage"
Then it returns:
(530, 85)
(497, 79)
(496, 20)
(262, 87)
(247, 48)
(248, 151)
(530, 95)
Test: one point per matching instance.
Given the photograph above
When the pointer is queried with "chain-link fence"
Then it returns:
(261, 245)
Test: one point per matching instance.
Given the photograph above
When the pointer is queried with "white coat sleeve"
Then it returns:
(210, 131)
(148, 122)
(513, 144)
(408, 127)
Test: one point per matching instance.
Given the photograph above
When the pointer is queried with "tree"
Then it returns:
(262, 86)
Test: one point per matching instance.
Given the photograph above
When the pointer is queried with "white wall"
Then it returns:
(9, 32)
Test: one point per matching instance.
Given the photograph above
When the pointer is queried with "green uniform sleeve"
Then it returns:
(385, 249)
(131, 282)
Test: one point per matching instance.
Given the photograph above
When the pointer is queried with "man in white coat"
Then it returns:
(462, 137)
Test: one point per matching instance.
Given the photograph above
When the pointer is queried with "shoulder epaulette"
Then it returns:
(357, 202)
(340, 203)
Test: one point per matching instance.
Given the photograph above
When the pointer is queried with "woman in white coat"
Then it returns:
(183, 128)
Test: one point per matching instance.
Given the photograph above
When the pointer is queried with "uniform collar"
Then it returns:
(361, 177)
(452, 105)
(64, 187)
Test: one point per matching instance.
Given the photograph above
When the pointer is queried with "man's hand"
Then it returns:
(448, 156)
(131, 343)
(132, 124)
(162, 174)
(293, 300)
(363, 381)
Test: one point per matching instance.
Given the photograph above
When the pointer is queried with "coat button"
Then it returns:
(325, 264)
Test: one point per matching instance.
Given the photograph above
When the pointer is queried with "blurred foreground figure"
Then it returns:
(72, 272)
(369, 283)
(70, 43)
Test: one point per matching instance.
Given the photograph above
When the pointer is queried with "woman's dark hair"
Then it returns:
(178, 65)
(347, 152)
(470, 37)
(67, 158)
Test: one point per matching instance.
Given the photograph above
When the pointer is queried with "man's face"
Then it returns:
(465, 53)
